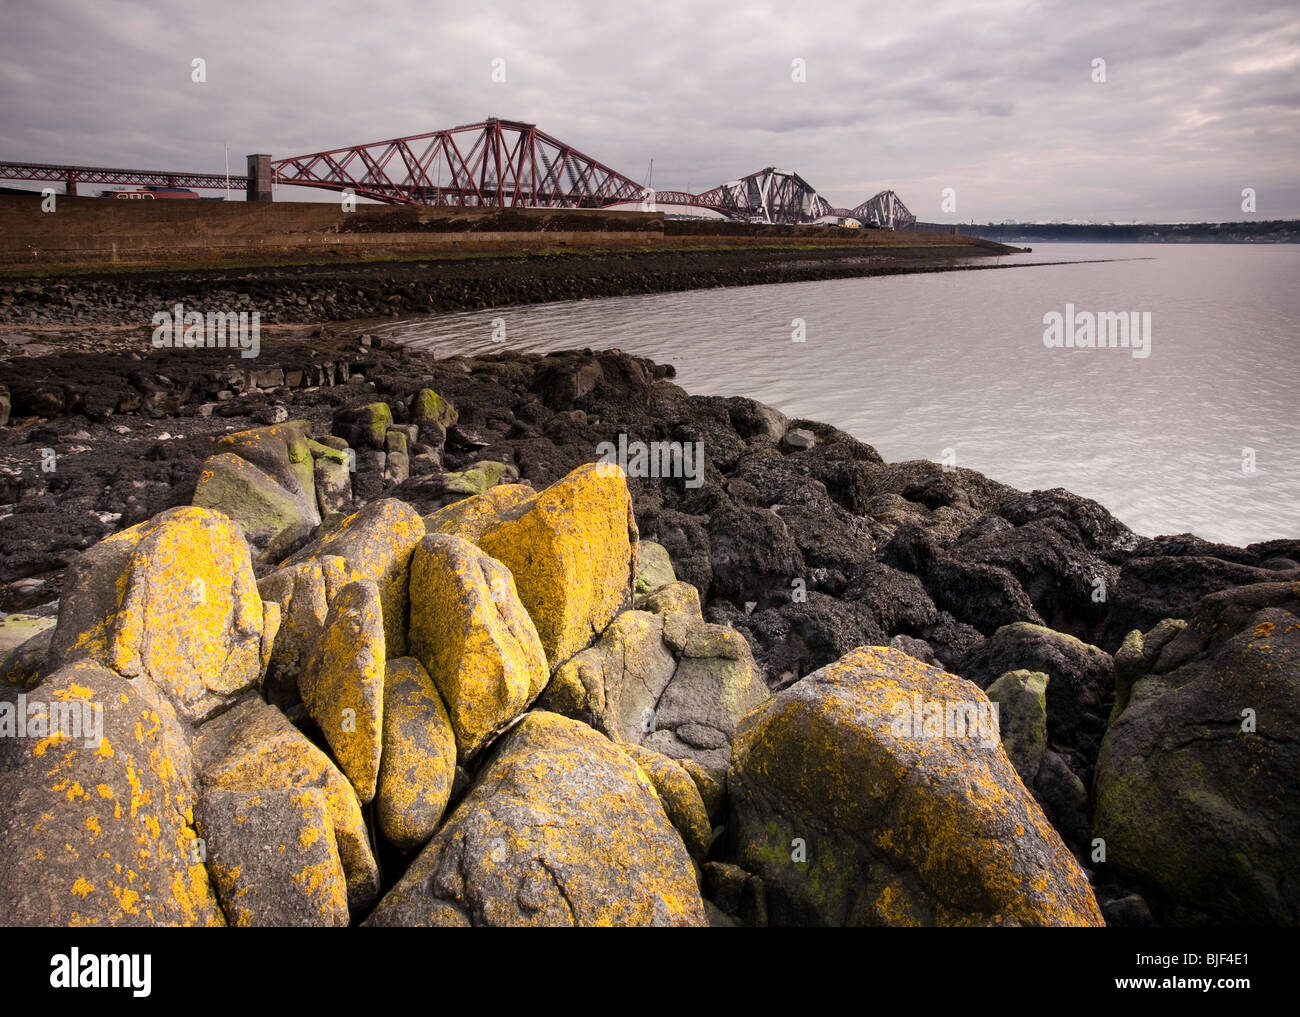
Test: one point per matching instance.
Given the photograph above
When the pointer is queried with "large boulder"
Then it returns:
(253, 748)
(273, 521)
(474, 637)
(96, 806)
(173, 598)
(1153, 588)
(875, 791)
(561, 828)
(342, 686)
(1196, 778)
(670, 681)
(273, 857)
(282, 451)
(376, 543)
(571, 550)
(418, 766)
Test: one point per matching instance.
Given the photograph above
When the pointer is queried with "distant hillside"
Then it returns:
(1275, 231)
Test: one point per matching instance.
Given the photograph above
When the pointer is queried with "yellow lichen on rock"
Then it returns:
(342, 685)
(96, 808)
(680, 796)
(419, 760)
(273, 857)
(474, 637)
(303, 593)
(468, 517)
(897, 822)
(376, 543)
(572, 552)
(173, 598)
(561, 828)
(253, 747)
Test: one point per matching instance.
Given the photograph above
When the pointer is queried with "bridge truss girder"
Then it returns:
(777, 196)
(500, 163)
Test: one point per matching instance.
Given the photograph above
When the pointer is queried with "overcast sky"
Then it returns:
(995, 100)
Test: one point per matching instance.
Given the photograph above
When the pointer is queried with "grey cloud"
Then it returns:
(992, 98)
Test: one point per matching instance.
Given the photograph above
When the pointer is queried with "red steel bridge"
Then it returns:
(496, 163)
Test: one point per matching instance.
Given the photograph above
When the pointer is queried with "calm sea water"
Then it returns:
(1203, 435)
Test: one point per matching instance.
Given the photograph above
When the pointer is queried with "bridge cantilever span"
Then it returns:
(885, 209)
(496, 163)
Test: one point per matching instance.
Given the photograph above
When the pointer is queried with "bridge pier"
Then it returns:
(70, 186)
(259, 178)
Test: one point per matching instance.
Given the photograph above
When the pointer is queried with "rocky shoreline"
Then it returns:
(595, 696)
(313, 293)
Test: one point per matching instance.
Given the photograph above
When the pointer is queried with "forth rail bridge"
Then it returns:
(501, 163)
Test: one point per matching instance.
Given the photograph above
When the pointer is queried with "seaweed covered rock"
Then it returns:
(561, 828)
(876, 792)
(1196, 778)
(1152, 588)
